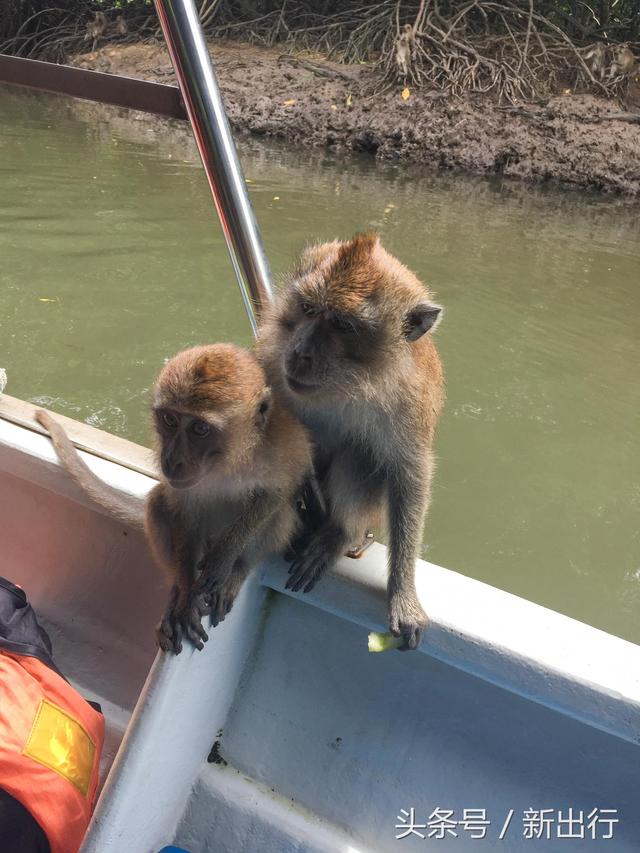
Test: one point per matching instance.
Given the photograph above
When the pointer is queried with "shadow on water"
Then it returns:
(113, 260)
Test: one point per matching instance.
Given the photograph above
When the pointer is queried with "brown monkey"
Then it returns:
(232, 461)
(405, 48)
(597, 53)
(624, 61)
(96, 29)
(120, 27)
(347, 344)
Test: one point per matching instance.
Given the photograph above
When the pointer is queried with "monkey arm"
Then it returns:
(314, 503)
(221, 555)
(408, 499)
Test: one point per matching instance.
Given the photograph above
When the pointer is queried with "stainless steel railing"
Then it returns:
(203, 102)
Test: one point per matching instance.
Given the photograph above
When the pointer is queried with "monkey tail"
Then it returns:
(129, 509)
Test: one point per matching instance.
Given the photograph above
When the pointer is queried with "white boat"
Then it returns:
(512, 727)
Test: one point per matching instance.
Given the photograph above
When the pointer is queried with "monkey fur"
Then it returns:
(348, 345)
(96, 29)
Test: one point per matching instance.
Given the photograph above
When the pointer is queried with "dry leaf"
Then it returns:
(566, 91)
(276, 198)
(405, 94)
(333, 107)
(290, 103)
(349, 100)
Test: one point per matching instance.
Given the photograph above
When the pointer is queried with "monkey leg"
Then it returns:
(322, 551)
(300, 543)
(312, 514)
(182, 618)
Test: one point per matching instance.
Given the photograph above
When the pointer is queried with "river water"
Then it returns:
(112, 260)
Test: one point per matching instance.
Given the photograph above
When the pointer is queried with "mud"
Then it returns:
(568, 141)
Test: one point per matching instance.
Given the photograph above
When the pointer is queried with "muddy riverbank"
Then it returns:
(578, 140)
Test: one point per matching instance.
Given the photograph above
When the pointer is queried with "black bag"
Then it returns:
(20, 631)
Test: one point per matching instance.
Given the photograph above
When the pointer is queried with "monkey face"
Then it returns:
(346, 322)
(190, 446)
(210, 406)
(328, 350)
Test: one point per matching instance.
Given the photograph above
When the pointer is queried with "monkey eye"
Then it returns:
(200, 428)
(170, 420)
(308, 309)
(342, 324)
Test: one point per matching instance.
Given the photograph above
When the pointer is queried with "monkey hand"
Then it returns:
(183, 620)
(407, 620)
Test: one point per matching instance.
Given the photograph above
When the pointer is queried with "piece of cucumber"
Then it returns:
(382, 642)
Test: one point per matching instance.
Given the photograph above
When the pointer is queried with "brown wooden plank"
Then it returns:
(127, 92)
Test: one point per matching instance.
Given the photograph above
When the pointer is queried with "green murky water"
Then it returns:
(111, 260)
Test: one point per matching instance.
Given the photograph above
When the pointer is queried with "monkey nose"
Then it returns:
(303, 361)
(172, 469)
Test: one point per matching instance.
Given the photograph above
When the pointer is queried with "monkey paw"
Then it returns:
(220, 602)
(185, 621)
(408, 620)
(307, 570)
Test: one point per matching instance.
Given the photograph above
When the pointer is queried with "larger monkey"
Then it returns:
(348, 345)
(232, 461)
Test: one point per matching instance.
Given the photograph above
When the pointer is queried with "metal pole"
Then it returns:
(203, 102)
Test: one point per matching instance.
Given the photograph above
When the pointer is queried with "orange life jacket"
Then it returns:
(50, 744)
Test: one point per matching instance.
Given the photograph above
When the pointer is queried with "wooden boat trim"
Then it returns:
(84, 437)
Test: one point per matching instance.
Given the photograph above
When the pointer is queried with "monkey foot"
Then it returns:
(319, 554)
(307, 570)
(180, 622)
(408, 623)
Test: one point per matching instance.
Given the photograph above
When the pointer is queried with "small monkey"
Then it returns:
(597, 53)
(120, 27)
(232, 461)
(96, 29)
(624, 61)
(405, 49)
(348, 346)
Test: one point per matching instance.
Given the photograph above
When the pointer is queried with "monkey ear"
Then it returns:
(264, 409)
(420, 319)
